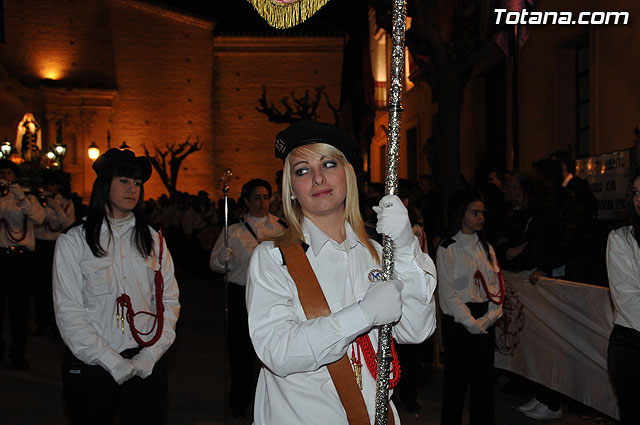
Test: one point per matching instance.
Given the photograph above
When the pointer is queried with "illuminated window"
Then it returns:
(379, 64)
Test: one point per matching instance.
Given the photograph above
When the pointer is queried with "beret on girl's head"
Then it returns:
(114, 158)
(306, 132)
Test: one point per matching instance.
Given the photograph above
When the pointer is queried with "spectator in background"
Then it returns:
(60, 214)
(580, 187)
(589, 253)
(429, 205)
(19, 213)
(559, 224)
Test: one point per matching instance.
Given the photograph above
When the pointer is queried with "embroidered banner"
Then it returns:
(556, 333)
(286, 13)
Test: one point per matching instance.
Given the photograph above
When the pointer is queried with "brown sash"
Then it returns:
(315, 305)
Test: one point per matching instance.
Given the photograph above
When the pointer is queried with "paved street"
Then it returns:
(33, 397)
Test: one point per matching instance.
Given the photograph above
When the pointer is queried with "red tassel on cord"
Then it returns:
(124, 302)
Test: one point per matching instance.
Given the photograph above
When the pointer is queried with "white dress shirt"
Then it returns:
(294, 386)
(60, 215)
(17, 219)
(85, 289)
(457, 263)
(623, 269)
(242, 244)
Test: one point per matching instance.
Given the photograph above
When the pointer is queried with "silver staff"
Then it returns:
(226, 178)
(385, 356)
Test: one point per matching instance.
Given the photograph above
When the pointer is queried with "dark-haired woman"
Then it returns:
(471, 292)
(623, 268)
(116, 301)
(255, 226)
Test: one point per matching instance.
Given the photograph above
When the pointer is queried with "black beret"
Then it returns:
(6, 163)
(308, 132)
(114, 158)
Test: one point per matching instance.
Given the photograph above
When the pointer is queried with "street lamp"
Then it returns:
(60, 150)
(93, 151)
(5, 149)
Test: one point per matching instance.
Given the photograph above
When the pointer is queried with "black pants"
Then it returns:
(623, 359)
(242, 357)
(42, 292)
(93, 397)
(468, 363)
(15, 281)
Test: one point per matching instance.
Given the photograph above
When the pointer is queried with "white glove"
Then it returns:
(123, 371)
(382, 303)
(17, 190)
(479, 326)
(224, 255)
(393, 221)
(144, 364)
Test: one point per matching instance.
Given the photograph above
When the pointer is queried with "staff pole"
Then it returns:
(226, 178)
(394, 108)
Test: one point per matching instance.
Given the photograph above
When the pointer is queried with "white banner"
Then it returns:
(556, 333)
(609, 177)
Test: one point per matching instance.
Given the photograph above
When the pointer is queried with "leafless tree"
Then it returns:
(167, 161)
(294, 108)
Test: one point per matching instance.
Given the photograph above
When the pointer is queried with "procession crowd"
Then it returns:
(303, 261)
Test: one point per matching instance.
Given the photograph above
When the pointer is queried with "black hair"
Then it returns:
(100, 203)
(457, 208)
(250, 186)
(550, 171)
(564, 157)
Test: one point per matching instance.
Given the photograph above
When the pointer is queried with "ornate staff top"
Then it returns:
(226, 178)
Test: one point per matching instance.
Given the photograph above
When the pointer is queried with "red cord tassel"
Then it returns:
(124, 302)
(372, 363)
(494, 298)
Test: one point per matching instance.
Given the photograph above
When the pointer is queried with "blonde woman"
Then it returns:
(306, 334)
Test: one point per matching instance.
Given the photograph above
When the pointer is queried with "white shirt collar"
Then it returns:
(464, 239)
(316, 238)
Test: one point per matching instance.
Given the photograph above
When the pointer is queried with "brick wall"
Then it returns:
(242, 66)
(172, 80)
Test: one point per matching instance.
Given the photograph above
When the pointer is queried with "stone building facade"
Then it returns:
(148, 75)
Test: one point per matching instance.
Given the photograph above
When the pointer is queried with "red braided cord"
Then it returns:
(494, 298)
(372, 363)
(9, 233)
(124, 302)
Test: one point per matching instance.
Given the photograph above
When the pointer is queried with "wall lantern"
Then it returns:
(5, 149)
(60, 150)
(93, 151)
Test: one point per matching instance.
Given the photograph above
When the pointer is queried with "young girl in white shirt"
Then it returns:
(471, 292)
(115, 301)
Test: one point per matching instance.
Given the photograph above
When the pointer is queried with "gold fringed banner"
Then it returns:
(286, 13)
